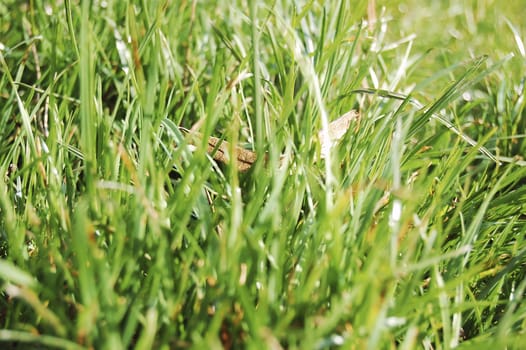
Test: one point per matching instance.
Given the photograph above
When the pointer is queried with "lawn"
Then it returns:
(171, 179)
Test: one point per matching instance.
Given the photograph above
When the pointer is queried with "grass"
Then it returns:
(115, 234)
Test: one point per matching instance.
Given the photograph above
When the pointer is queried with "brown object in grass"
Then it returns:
(219, 149)
(244, 157)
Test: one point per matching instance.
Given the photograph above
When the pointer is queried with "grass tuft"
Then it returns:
(118, 229)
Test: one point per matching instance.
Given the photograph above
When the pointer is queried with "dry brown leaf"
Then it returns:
(337, 128)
